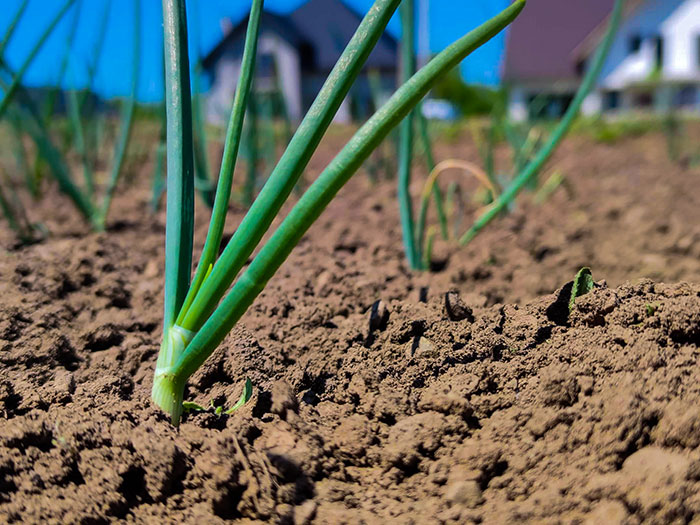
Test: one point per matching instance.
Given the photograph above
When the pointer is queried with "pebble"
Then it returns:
(467, 493)
(457, 309)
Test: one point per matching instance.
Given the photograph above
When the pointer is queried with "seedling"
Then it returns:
(200, 313)
(408, 68)
(651, 308)
(14, 211)
(551, 185)
(190, 406)
(583, 284)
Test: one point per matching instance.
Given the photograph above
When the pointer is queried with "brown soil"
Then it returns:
(381, 396)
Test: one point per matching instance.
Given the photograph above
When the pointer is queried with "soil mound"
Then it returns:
(471, 394)
(412, 412)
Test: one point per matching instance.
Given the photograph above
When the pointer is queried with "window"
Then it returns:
(612, 100)
(265, 68)
(686, 96)
(307, 55)
(635, 44)
(658, 52)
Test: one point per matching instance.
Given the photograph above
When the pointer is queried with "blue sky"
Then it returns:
(449, 20)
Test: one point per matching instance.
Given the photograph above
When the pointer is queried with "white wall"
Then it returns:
(678, 22)
(226, 73)
(288, 69)
(228, 68)
(517, 104)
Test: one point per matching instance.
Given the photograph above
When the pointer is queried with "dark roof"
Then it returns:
(325, 26)
(590, 44)
(542, 42)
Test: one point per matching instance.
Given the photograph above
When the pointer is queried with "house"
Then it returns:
(654, 61)
(296, 53)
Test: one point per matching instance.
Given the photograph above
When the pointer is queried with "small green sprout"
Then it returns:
(191, 406)
(555, 180)
(583, 284)
(651, 308)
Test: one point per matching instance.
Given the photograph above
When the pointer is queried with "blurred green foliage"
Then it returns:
(611, 131)
(469, 99)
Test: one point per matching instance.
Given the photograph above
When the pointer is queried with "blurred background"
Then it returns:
(654, 63)
(85, 112)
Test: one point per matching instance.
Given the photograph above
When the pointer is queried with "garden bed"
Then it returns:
(378, 395)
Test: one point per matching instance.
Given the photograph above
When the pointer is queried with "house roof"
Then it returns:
(325, 25)
(590, 43)
(542, 42)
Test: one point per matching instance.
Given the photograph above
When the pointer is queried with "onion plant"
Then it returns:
(23, 109)
(529, 157)
(408, 68)
(15, 213)
(532, 168)
(414, 236)
(200, 312)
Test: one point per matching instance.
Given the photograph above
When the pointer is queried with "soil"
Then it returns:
(467, 395)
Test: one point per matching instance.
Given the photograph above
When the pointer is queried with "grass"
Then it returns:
(198, 314)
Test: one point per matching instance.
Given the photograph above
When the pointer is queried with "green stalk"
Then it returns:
(428, 252)
(158, 175)
(252, 153)
(436, 193)
(21, 156)
(290, 167)
(202, 170)
(266, 124)
(127, 117)
(204, 186)
(408, 68)
(489, 151)
(17, 77)
(15, 212)
(531, 170)
(9, 214)
(284, 110)
(80, 146)
(161, 150)
(13, 25)
(319, 195)
(180, 196)
(180, 205)
(32, 124)
(376, 161)
(231, 147)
